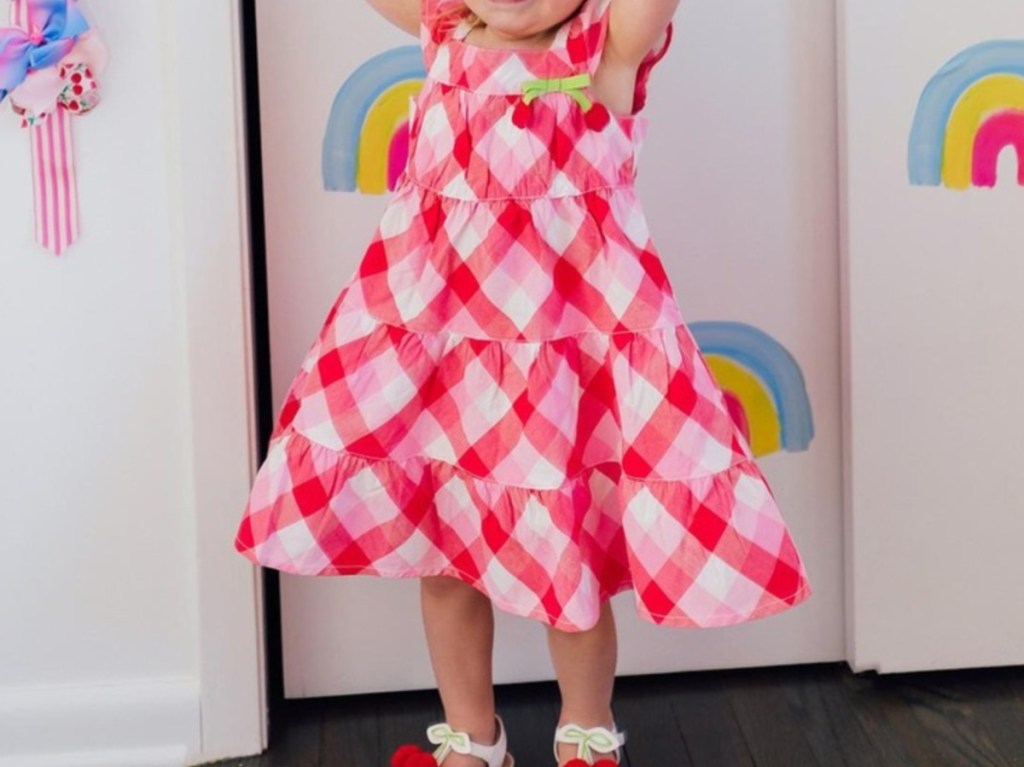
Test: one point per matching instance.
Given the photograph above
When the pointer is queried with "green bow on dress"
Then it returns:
(572, 85)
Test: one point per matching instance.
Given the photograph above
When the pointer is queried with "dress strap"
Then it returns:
(594, 18)
(587, 31)
(438, 18)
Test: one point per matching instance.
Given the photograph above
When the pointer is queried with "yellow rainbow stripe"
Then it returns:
(765, 428)
(388, 111)
(994, 93)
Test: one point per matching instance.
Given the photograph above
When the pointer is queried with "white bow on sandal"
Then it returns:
(589, 740)
(448, 740)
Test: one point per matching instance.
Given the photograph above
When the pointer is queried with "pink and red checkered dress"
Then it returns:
(505, 390)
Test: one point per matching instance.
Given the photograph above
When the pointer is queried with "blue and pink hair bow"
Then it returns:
(56, 27)
(50, 60)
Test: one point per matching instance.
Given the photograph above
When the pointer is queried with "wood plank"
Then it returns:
(294, 734)
(642, 709)
(404, 718)
(835, 727)
(773, 724)
(796, 716)
(530, 712)
(351, 733)
(954, 708)
(888, 721)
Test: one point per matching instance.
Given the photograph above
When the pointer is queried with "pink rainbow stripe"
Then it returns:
(739, 414)
(55, 185)
(999, 131)
(398, 154)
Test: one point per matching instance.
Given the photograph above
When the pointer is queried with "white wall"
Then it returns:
(107, 481)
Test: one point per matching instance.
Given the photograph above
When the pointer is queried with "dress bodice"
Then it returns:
(472, 138)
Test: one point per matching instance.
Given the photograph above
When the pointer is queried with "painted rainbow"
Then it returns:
(763, 386)
(970, 111)
(366, 144)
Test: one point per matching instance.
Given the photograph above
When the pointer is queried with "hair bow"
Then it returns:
(50, 60)
(55, 26)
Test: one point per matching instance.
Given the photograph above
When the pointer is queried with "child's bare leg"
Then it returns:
(584, 663)
(459, 624)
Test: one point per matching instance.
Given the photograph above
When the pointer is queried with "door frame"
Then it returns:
(204, 116)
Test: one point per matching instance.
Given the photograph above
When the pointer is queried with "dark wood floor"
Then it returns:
(792, 716)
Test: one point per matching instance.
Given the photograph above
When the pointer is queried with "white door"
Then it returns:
(934, 151)
(738, 173)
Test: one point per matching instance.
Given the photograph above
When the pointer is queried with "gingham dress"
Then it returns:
(505, 391)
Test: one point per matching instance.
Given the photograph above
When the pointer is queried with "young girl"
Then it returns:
(504, 400)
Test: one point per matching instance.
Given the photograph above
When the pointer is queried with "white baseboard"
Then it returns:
(149, 723)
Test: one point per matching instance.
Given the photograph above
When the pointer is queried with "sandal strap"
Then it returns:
(459, 741)
(589, 739)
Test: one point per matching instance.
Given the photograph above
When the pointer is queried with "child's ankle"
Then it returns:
(587, 719)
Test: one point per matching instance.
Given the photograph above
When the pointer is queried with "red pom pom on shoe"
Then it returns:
(597, 116)
(411, 755)
(401, 756)
(522, 114)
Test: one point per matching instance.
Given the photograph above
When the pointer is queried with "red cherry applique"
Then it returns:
(597, 116)
(521, 116)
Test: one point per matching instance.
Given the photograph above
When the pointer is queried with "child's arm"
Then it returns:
(404, 14)
(636, 26)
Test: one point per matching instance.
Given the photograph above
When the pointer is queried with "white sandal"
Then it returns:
(589, 740)
(448, 740)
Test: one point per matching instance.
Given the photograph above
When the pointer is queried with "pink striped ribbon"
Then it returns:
(53, 169)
